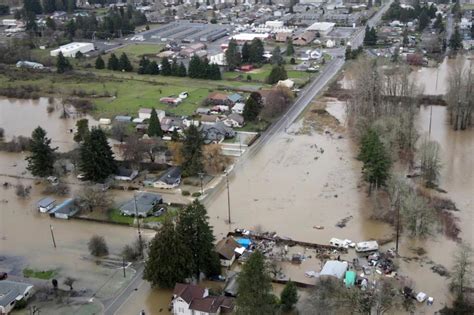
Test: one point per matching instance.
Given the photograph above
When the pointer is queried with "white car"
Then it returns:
(183, 95)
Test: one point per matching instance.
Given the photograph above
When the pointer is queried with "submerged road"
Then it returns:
(112, 306)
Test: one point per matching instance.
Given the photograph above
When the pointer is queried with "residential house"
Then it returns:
(203, 111)
(234, 98)
(11, 292)
(334, 268)
(125, 174)
(170, 179)
(169, 124)
(189, 299)
(46, 204)
(282, 37)
(65, 210)
(174, 101)
(209, 119)
(238, 108)
(305, 38)
(123, 119)
(217, 98)
(145, 113)
(234, 120)
(142, 204)
(216, 133)
(228, 249)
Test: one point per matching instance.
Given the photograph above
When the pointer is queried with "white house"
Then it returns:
(189, 299)
(11, 292)
(46, 204)
(238, 108)
(71, 49)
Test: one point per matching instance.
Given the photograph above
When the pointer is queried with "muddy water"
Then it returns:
(21, 117)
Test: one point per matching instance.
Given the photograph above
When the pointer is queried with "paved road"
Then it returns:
(112, 306)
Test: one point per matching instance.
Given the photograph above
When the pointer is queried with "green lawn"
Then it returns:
(117, 217)
(136, 51)
(262, 73)
(32, 273)
(259, 126)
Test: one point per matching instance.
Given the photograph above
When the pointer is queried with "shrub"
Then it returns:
(97, 246)
(196, 194)
(185, 193)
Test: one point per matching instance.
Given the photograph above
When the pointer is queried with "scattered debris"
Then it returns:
(343, 222)
(441, 270)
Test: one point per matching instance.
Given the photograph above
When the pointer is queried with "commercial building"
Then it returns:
(71, 49)
(323, 28)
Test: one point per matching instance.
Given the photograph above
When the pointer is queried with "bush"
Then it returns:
(185, 193)
(97, 246)
(292, 61)
(132, 252)
(22, 191)
(17, 144)
(196, 194)
(2, 133)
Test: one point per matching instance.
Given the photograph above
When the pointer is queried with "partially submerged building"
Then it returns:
(11, 292)
(142, 204)
(65, 210)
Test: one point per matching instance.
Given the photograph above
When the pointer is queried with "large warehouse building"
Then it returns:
(71, 49)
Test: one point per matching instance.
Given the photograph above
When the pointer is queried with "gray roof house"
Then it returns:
(234, 98)
(46, 204)
(334, 268)
(65, 210)
(216, 132)
(145, 203)
(11, 292)
(125, 174)
(234, 120)
(170, 179)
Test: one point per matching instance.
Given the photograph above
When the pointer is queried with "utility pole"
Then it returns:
(140, 244)
(398, 230)
(52, 235)
(228, 196)
(123, 266)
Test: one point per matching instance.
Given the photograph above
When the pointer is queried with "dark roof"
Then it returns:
(10, 290)
(236, 117)
(216, 132)
(68, 207)
(122, 171)
(188, 292)
(171, 176)
(45, 202)
(145, 203)
(234, 98)
(211, 304)
(225, 247)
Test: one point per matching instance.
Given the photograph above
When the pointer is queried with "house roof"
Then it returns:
(122, 171)
(145, 202)
(209, 118)
(226, 247)
(45, 202)
(171, 175)
(145, 110)
(202, 110)
(231, 284)
(211, 304)
(239, 106)
(236, 117)
(334, 268)
(10, 290)
(188, 292)
(68, 207)
(216, 132)
(234, 98)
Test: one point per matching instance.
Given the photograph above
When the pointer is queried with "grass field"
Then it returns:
(136, 51)
(45, 275)
(262, 73)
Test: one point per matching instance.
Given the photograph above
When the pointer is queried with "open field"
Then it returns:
(262, 73)
(136, 51)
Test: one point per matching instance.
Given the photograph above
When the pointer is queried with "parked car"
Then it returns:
(159, 212)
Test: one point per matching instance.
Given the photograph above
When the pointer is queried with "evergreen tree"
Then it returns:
(368, 36)
(62, 64)
(49, 6)
(289, 296)
(96, 157)
(152, 68)
(154, 126)
(41, 160)
(277, 59)
(232, 55)
(348, 53)
(290, 49)
(256, 51)
(214, 72)
(113, 63)
(438, 24)
(253, 106)
(194, 70)
(124, 63)
(455, 42)
(376, 168)
(32, 6)
(82, 132)
(405, 40)
(278, 73)
(192, 152)
(182, 70)
(50, 23)
(169, 259)
(194, 228)
(143, 66)
(31, 21)
(71, 29)
(165, 67)
(245, 52)
(174, 68)
(99, 63)
(423, 20)
(254, 293)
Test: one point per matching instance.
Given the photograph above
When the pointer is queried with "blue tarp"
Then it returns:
(245, 242)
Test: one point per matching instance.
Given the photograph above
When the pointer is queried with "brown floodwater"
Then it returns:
(21, 117)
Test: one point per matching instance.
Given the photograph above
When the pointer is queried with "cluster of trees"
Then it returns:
(459, 96)
(277, 73)
(4, 9)
(422, 13)
(250, 53)
(455, 41)
(376, 168)
(352, 54)
(253, 107)
(62, 64)
(49, 6)
(370, 37)
(114, 63)
(182, 250)
(201, 69)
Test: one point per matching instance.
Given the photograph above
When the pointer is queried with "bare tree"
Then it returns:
(69, 281)
(119, 131)
(153, 147)
(133, 150)
(459, 96)
(176, 149)
(93, 197)
(417, 216)
(430, 161)
(213, 159)
(22, 191)
(463, 271)
(277, 102)
(97, 246)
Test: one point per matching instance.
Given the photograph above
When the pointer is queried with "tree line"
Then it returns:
(249, 53)
(421, 12)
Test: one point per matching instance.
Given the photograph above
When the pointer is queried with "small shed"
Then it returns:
(46, 204)
(65, 210)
